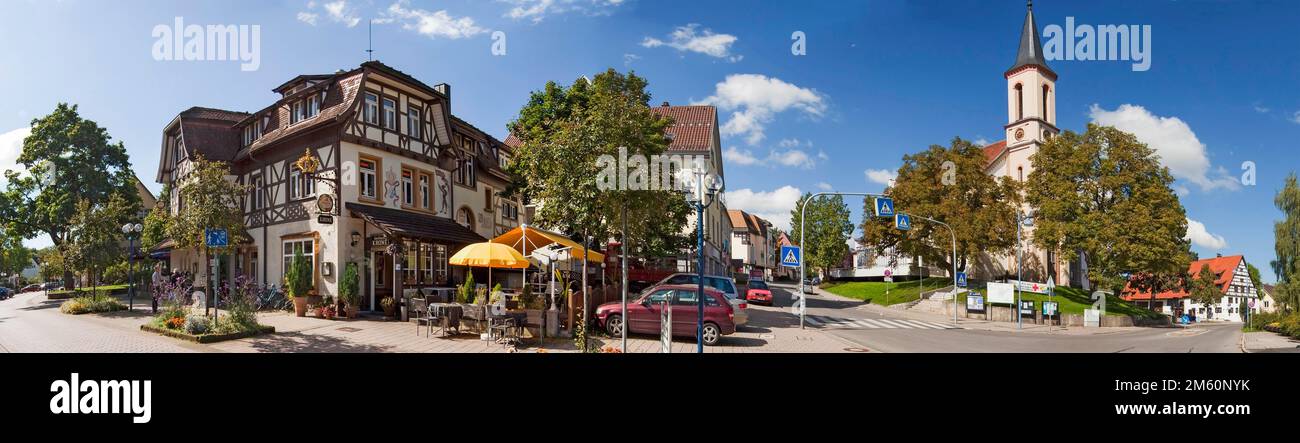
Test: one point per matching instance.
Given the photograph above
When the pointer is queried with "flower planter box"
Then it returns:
(206, 338)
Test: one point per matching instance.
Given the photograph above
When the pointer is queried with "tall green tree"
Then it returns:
(211, 202)
(69, 159)
(947, 184)
(14, 256)
(93, 236)
(825, 244)
(1203, 289)
(1105, 194)
(564, 131)
(1286, 245)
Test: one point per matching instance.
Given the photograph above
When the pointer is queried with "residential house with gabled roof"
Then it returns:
(752, 246)
(396, 168)
(1231, 276)
(695, 132)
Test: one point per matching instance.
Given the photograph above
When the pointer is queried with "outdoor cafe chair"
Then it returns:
(419, 312)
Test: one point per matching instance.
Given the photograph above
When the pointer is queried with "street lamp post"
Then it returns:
(707, 188)
(954, 261)
(131, 231)
(803, 255)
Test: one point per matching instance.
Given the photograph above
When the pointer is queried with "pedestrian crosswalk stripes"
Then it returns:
(872, 323)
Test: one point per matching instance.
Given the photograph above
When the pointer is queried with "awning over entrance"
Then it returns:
(538, 238)
(410, 225)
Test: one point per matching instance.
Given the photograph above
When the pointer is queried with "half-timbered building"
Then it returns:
(393, 167)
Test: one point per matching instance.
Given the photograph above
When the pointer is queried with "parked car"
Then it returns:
(6, 293)
(725, 285)
(642, 315)
(30, 288)
(52, 286)
(757, 291)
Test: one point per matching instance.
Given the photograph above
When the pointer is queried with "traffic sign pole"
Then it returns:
(803, 212)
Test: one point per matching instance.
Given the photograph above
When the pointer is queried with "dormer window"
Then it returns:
(313, 106)
(297, 112)
(252, 132)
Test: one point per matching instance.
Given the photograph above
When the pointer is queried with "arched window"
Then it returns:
(1020, 173)
(1046, 90)
(465, 217)
(1020, 101)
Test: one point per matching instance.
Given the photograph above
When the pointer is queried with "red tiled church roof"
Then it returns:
(991, 152)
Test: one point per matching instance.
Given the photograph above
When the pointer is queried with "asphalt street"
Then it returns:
(872, 332)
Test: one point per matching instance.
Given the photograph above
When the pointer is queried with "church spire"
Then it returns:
(1031, 46)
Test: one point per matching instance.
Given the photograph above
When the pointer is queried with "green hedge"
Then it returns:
(84, 305)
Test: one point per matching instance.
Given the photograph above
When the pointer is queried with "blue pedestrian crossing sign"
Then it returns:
(216, 238)
(903, 222)
(790, 256)
(961, 279)
(884, 207)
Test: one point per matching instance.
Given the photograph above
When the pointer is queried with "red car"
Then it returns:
(758, 292)
(643, 313)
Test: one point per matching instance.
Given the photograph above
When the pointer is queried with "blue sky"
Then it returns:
(880, 79)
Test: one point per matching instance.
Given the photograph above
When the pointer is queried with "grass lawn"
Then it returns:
(1074, 301)
(874, 292)
(86, 289)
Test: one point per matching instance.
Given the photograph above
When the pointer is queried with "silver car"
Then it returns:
(726, 285)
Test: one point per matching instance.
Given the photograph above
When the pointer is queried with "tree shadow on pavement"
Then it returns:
(299, 342)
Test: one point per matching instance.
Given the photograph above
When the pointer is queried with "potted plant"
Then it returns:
(531, 304)
(348, 285)
(390, 307)
(297, 283)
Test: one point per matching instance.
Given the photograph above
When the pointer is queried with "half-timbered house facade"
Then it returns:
(393, 167)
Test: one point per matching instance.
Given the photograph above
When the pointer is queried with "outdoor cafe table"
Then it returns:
(519, 318)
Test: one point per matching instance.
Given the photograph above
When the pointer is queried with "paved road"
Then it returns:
(866, 328)
(30, 323)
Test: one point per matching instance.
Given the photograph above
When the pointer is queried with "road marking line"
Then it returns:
(864, 324)
(875, 323)
(900, 324)
(812, 319)
(927, 325)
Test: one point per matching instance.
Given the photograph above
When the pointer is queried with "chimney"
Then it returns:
(443, 88)
(665, 104)
(1218, 254)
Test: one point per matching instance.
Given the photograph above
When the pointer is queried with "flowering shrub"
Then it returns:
(196, 325)
(175, 322)
(85, 304)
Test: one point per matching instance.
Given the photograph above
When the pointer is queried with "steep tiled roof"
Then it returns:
(340, 98)
(991, 152)
(692, 128)
(1224, 269)
(208, 132)
(738, 220)
(513, 142)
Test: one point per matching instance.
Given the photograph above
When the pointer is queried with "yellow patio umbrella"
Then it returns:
(489, 255)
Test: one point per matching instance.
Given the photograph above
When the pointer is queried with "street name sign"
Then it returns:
(791, 256)
(884, 207)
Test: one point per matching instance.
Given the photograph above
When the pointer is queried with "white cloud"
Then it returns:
(629, 58)
(340, 12)
(739, 157)
(824, 186)
(308, 18)
(755, 99)
(436, 24)
(11, 145)
(1173, 141)
(881, 176)
(687, 38)
(1261, 109)
(1295, 117)
(981, 141)
(773, 206)
(794, 158)
(538, 10)
(1199, 236)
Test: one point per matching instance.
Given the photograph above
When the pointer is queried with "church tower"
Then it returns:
(1031, 95)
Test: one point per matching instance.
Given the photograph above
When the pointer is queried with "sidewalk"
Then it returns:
(1264, 341)
(978, 324)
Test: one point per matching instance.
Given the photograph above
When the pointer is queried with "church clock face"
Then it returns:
(1020, 134)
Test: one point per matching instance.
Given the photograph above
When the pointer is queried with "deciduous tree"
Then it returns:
(1286, 245)
(828, 230)
(947, 184)
(1104, 193)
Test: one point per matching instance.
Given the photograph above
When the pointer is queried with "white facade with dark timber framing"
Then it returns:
(399, 167)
